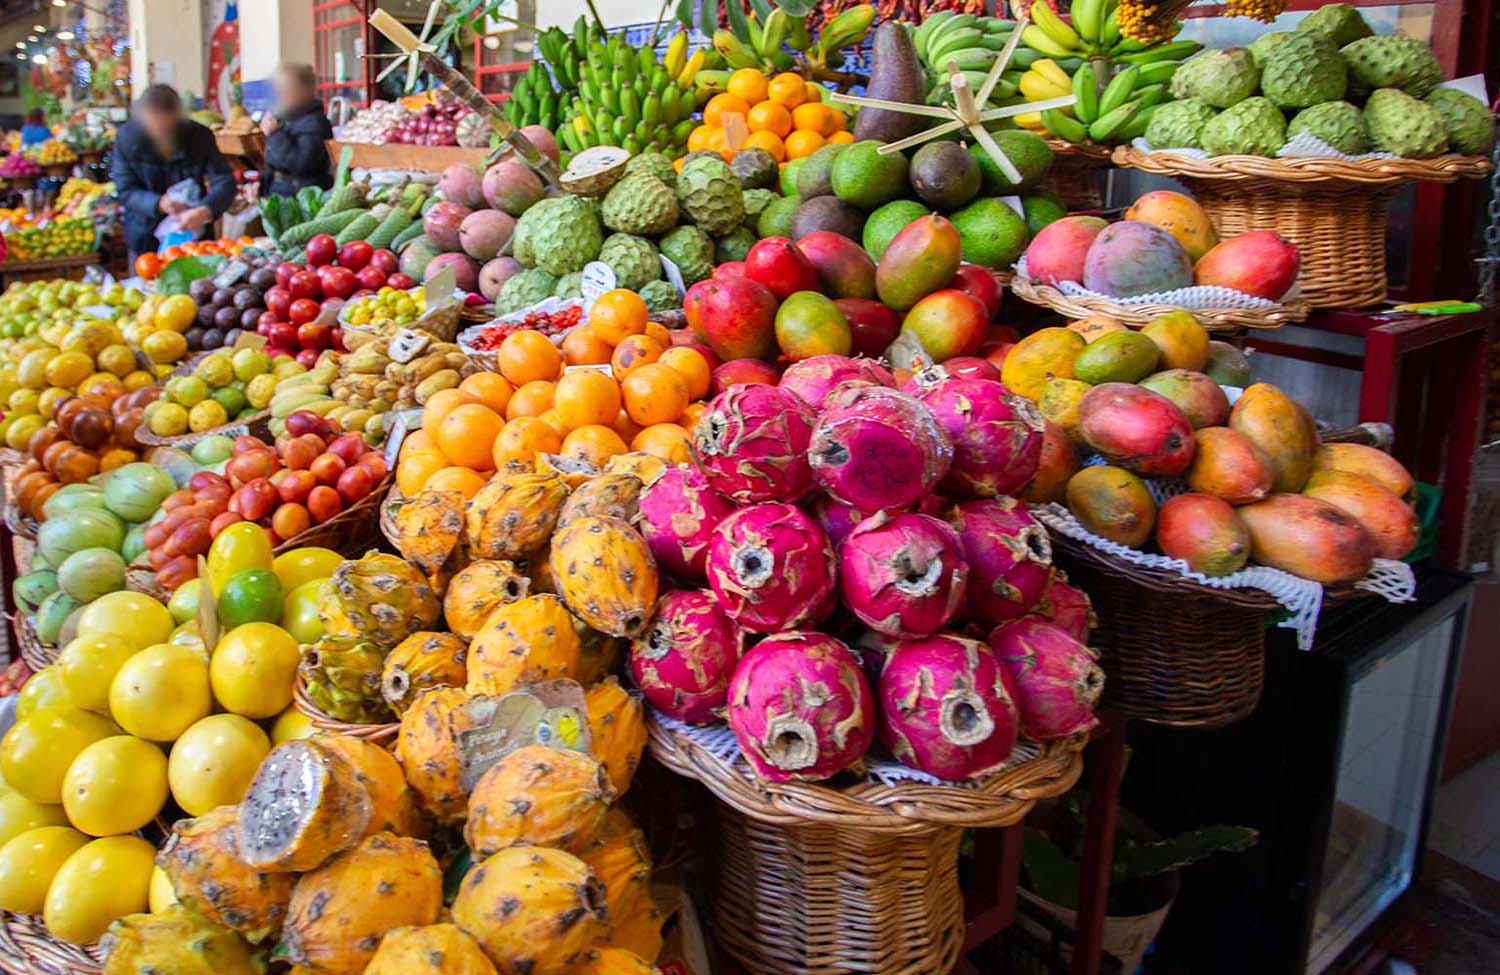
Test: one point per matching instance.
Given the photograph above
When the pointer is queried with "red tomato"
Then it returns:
(305, 284)
(290, 520)
(278, 302)
(355, 254)
(338, 282)
(321, 250)
(296, 486)
(327, 468)
(348, 447)
(303, 311)
(372, 278)
(355, 483)
(386, 261)
(323, 503)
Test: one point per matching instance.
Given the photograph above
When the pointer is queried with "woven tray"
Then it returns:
(1334, 210)
(256, 425)
(383, 735)
(351, 531)
(26, 948)
(394, 499)
(19, 522)
(38, 655)
(1075, 173)
(1213, 319)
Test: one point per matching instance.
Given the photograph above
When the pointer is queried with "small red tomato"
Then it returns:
(356, 254)
(202, 479)
(323, 503)
(315, 335)
(303, 311)
(246, 442)
(321, 250)
(284, 272)
(374, 462)
(401, 282)
(177, 499)
(305, 284)
(327, 467)
(223, 521)
(372, 277)
(257, 499)
(290, 520)
(298, 454)
(156, 558)
(306, 421)
(278, 301)
(296, 486)
(348, 447)
(338, 282)
(355, 483)
(191, 538)
(385, 260)
(173, 574)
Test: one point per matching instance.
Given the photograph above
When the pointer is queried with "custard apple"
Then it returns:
(710, 194)
(755, 202)
(691, 250)
(1178, 125)
(734, 245)
(756, 168)
(524, 289)
(569, 286)
(1340, 21)
(1265, 44)
(653, 164)
(1471, 128)
(1219, 78)
(1405, 125)
(520, 240)
(1339, 124)
(633, 259)
(1306, 69)
(660, 296)
(1393, 61)
(1254, 127)
(567, 235)
(640, 204)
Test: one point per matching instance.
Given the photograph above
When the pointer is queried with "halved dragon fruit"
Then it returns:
(1009, 557)
(1067, 607)
(878, 449)
(800, 707)
(945, 707)
(813, 379)
(684, 660)
(903, 575)
(997, 436)
(751, 444)
(1058, 680)
(678, 515)
(772, 568)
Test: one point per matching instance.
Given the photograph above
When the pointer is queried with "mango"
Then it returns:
(1132, 258)
(1112, 503)
(1392, 524)
(1095, 327)
(1059, 403)
(1282, 429)
(1120, 357)
(1227, 365)
(1199, 398)
(1045, 354)
(921, 259)
(1308, 538)
(1204, 532)
(1137, 429)
(1228, 465)
(1179, 215)
(1058, 462)
(1057, 253)
(1257, 263)
(1182, 340)
(1356, 458)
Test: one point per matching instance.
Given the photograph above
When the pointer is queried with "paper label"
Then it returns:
(440, 288)
(598, 278)
(403, 422)
(674, 275)
(230, 274)
(208, 613)
(249, 340)
(489, 728)
(1472, 85)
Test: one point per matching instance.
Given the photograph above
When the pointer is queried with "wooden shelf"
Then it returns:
(433, 159)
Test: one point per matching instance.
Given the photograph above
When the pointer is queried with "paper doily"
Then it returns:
(1195, 298)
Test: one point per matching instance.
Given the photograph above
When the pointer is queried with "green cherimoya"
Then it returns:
(691, 250)
(1254, 127)
(734, 245)
(524, 289)
(567, 236)
(1393, 61)
(654, 164)
(660, 296)
(1265, 44)
(710, 193)
(570, 285)
(1405, 125)
(1339, 124)
(520, 238)
(633, 259)
(1218, 78)
(1307, 69)
(755, 202)
(640, 204)
(1471, 127)
(1340, 21)
(1178, 125)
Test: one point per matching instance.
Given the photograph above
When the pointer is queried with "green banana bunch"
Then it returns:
(848, 29)
(1110, 108)
(1094, 31)
(630, 98)
(971, 44)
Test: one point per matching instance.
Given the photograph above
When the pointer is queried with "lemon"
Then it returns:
(292, 724)
(68, 369)
(216, 369)
(302, 564)
(103, 881)
(137, 379)
(213, 762)
(36, 752)
(19, 434)
(176, 313)
(253, 668)
(32, 371)
(19, 814)
(260, 389)
(30, 861)
(88, 664)
(207, 415)
(44, 690)
(47, 402)
(160, 692)
(160, 894)
(184, 602)
(138, 619)
(165, 346)
(168, 420)
(116, 785)
(23, 401)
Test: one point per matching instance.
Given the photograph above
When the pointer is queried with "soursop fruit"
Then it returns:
(569, 286)
(1218, 78)
(1254, 127)
(520, 240)
(1405, 125)
(755, 202)
(1393, 61)
(640, 204)
(567, 235)
(1339, 124)
(734, 245)
(691, 250)
(1178, 125)
(756, 168)
(524, 289)
(710, 193)
(653, 164)
(1265, 44)
(1471, 128)
(633, 259)
(1307, 69)
(660, 296)
(1340, 21)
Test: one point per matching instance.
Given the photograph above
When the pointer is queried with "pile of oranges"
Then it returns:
(785, 114)
(617, 384)
(150, 265)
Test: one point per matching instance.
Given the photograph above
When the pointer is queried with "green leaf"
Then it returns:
(762, 9)
(739, 24)
(708, 16)
(796, 8)
(177, 275)
(1049, 872)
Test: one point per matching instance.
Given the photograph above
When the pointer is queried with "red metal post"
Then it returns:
(990, 903)
(1106, 755)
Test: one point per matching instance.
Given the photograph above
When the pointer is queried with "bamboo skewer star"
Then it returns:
(966, 112)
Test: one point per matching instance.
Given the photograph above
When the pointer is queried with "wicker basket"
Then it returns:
(1076, 173)
(257, 425)
(38, 655)
(383, 735)
(1213, 319)
(141, 578)
(26, 948)
(351, 531)
(1334, 210)
(813, 879)
(19, 522)
(394, 499)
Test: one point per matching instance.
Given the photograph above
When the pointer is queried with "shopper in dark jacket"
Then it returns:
(296, 134)
(154, 151)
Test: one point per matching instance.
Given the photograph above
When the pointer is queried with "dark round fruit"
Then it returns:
(232, 336)
(201, 290)
(250, 317)
(251, 298)
(222, 297)
(226, 318)
(194, 337)
(263, 278)
(205, 316)
(213, 338)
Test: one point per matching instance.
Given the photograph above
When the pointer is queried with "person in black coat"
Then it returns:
(297, 134)
(154, 151)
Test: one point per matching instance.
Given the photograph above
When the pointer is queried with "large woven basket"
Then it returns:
(814, 880)
(38, 655)
(1076, 173)
(1334, 210)
(26, 948)
(257, 425)
(1138, 316)
(351, 531)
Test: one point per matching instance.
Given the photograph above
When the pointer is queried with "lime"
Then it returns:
(252, 596)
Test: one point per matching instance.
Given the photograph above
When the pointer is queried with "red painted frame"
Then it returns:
(359, 88)
(483, 71)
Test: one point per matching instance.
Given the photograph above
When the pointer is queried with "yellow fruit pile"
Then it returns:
(786, 116)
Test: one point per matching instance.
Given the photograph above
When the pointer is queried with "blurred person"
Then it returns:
(35, 131)
(297, 134)
(158, 148)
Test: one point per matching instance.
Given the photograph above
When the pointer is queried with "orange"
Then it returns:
(594, 444)
(464, 480)
(815, 91)
(813, 117)
(841, 138)
(803, 143)
(654, 393)
(691, 366)
(769, 141)
(677, 163)
(625, 426)
(527, 356)
(553, 419)
(616, 314)
(587, 396)
(770, 117)
(634, 352)
(749, 84)
(661, 333)
(721, 105)
(418, 440)
(719, 142)
(692, 415)
(584, 347)
(415, 468)
(468, 433)
(532, 399)
(788, 89)
(489, 388)
(699, 138)
(519, 443)
(665, 440)
(438, 406)
(836, 121)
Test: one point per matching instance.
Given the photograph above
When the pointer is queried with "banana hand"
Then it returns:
(773, 35)
(1047, 19)
(1038, 40)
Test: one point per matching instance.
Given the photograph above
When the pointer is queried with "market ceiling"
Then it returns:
(14, 9)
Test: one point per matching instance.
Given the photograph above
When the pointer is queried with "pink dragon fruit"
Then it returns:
(1058, 679)
(751, 444)
(836, 518)
(875, 448)
(946, 707)
(684, 660)
(997, 436)
(1067, 607)
(772, 568)
(800, 707)
(813, 379)
(903, 575)
(1009, 557)
(873, 650)
(678, 515)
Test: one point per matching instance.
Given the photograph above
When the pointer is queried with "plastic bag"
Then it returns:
(188, 193)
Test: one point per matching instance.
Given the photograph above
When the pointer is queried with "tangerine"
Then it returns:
(722, 104)
(489, 388)
(468, 433)
(625, 426)
(584, 347)
(617, 314)
(655, 393)
(770, 117)
(554, 420)
(413, 470)
(418, 440)
(769, 141)
(522, 439)
(661, 333)
(438, 406)
(527, 356)
(665, 440)
(841, 138)
(803, 142)
(635, 351)
(531, 399)
(813, 117)
(691, 366)
(787, 89)
(587, 396)
(464, 480)
(749, 84)
(594, 444)
(699, 138)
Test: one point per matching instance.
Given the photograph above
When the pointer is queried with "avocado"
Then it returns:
(814, 178)
(944, 175)
(828, 213)
(896, 75)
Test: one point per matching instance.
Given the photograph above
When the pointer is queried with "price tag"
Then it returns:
(105, 312)
(598, 278)
(1472, 85)
(441, 288)
(404, 421)
(1014, 202)
(230, 274)
(208, 613)
(489, 728)
(674, 274)
(249, 340)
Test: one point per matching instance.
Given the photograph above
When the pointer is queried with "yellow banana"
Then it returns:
(676, 58)
(1031, 121)
(1038, 87)
(1042, 43)
(737, 54)
(847, 28)
(690, 70)
(1047, 19)
(1053, 72)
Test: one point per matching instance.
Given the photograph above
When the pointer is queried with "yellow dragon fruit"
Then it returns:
(342, 677)
(524, 642)
(202, 860)
(429, 527)
(606, 574)
(514, 515)
(538, 796)
(437, 949)
(479, 589)
(178, 942)
(606, 496)
(617, 961)
(305, 804)
(385, 598)
(534, 910)
(424, 659)
(619, 859)
(617, 726)
(393, 803)
(429, 754)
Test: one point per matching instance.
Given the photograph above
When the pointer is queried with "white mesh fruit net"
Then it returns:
(1195, 298)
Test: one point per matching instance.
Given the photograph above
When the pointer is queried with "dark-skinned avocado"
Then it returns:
(895, 75)
(944, 175)
(828, 213)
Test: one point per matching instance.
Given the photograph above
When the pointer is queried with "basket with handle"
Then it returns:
(1230, 320)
